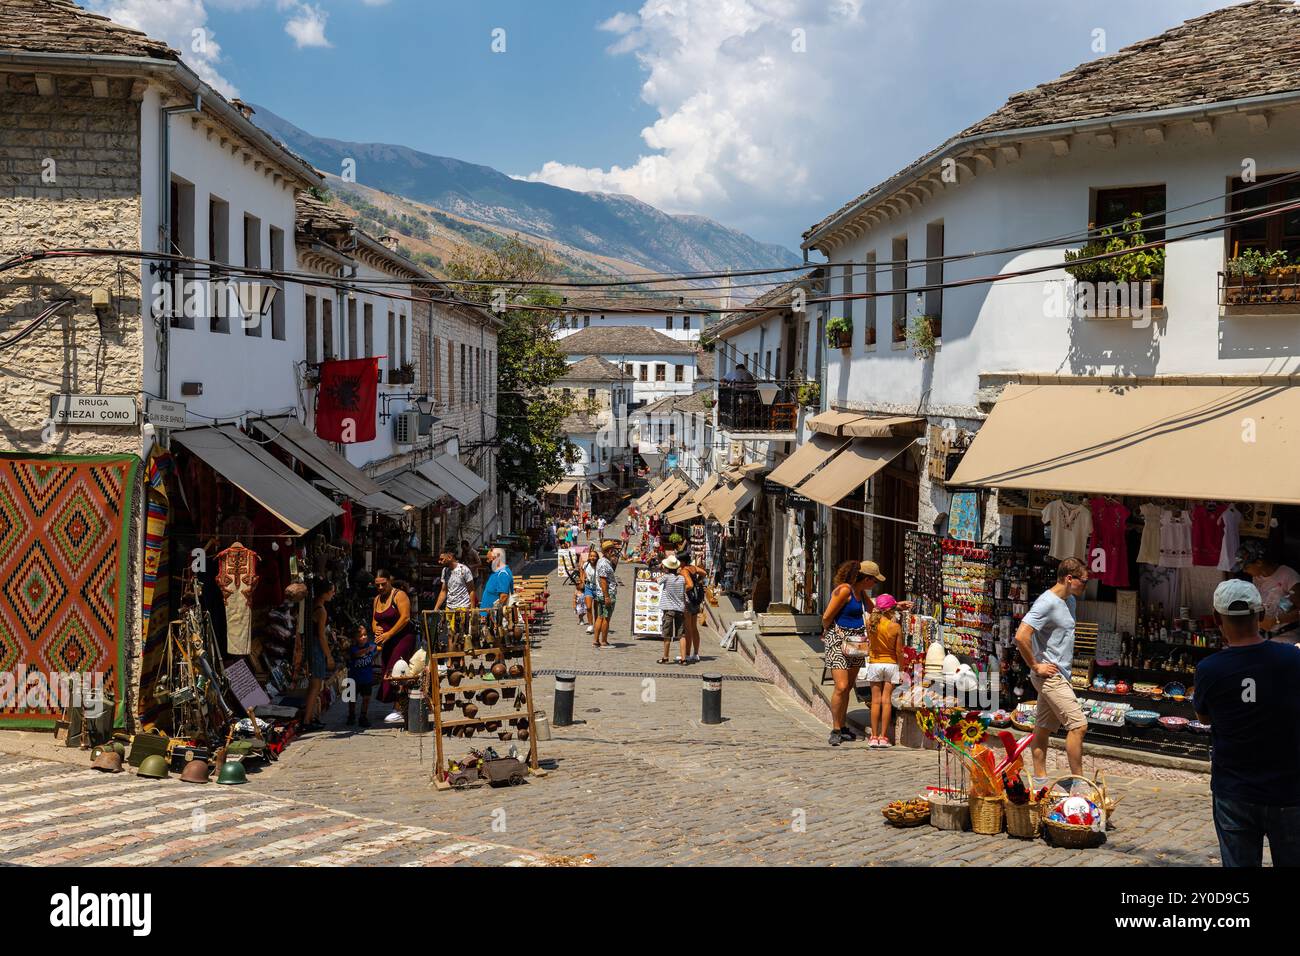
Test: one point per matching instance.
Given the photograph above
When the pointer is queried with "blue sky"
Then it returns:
(762, 114)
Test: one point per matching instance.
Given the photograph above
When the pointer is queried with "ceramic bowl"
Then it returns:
(1174, 723)
(1196, 727)
(1141, 718)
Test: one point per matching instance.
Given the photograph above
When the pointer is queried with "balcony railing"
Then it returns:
(743, 409)
(1272, 293)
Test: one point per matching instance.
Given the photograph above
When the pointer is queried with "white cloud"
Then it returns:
(307, 26)
(182, 24)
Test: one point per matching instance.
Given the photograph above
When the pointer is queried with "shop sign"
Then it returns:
(770, 487)
(793, 500)
(94, 410)
(166, 414)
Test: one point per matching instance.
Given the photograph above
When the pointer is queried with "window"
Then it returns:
(219, 251)
(567, 393)
(1279, 231)
(672, 429)
(627, 369)
(934, 277)
(870, 286)
(586, 321)
(848, 307)
(591, 394)
(352, 327)
(368, 331)
(679, 373)
(464, 390)
(180, 240)
(573, 322)
(661, 372)
(1113, 206)
(253, 259)
(437, 372)
(668, 322)
(767, 364)
(310, 313)
(277, 264)
(898, 282)
(391, 343)
(686, 323)
(451, 373)
(644, 372)
(401, 339)
(327, 326)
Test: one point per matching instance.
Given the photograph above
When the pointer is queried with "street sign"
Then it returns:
(166, 414)
(94, 410)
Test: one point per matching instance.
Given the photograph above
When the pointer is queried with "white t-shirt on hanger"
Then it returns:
(1071, 526)
(1176, 539)
(1230, 518)
(1149, 549)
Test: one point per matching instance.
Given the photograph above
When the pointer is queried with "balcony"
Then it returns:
(1272, 293)
(743, 410)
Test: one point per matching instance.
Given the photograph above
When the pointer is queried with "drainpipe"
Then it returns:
(165, 114)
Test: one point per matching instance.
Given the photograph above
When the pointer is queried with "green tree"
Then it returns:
(534, 449)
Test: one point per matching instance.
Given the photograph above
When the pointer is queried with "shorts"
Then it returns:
(603, 609)
(1057, 705)
(316, 668)
(835, 659)
(366, 689)
(674, 625)
(882, 673)
(589, 593)
(693, 608)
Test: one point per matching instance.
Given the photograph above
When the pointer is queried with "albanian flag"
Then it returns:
(345, 400)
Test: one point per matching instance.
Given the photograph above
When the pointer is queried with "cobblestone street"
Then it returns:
(638, 779)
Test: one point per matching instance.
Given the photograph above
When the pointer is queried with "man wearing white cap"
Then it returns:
(1249, 694)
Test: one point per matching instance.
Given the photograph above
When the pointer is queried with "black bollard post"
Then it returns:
(417, 713)
(711, 702)
(563, 704)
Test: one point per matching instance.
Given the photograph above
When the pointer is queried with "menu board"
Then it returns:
(647, 618)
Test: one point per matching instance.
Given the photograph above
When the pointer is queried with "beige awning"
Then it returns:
(669, 487)
(706, 489)
(726, 501)
(600, 484)
(1212, 442)
(288, 433)
(806, 459)
(561, 488)
(753, 469)
(851, 468)
(411, 489)
(858, 425)
(682, 513)
(666, 504)
(259, 474)
(386, 503)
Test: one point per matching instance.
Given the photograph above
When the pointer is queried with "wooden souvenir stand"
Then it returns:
(504, 711)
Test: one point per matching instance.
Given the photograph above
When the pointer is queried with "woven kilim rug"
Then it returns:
(64, 527)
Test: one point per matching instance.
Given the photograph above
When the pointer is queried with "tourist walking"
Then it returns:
(390, 621)
(844, 623)
(589, 590)
(1046, 642)
(883, 658)
(361, 671)
(607, 593)
(694, 576)
(320, 662)
(672, 607)
(459, 594)
(1249, 694)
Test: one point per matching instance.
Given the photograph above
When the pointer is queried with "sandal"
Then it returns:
(663, 660)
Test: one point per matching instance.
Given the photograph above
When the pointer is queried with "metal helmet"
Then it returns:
(118, 746)
(196, 771)
(109, 761)
(232, 773)
(94, 754)
(154, 767)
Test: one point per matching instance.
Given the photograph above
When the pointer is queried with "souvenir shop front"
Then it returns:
(1155, 489)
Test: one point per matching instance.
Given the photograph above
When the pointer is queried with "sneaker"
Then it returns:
(590, 629)
(835, 739)
(884, 742)
(364, 721)
(873, 742)
(396, 717)
(848, 735)
(694, 658)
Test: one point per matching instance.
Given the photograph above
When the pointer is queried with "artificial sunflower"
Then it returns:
(925, 720)
(971, 732)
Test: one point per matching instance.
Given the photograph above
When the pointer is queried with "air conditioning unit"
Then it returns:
(737, 456)
(406, 426)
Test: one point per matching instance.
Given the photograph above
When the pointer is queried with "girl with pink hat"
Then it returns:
(883, 658)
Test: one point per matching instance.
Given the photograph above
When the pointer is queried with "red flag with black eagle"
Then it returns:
(345, 400)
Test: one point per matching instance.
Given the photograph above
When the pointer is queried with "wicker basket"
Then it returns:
(986, 814)
(909, 819)
(947, 814)
(1070, 835)
(1023, 820)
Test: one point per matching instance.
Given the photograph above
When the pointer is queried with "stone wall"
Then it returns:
(70, 177)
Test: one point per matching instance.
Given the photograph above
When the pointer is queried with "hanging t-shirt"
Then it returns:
(1175, 539)
(1109, 518)
(1149, 549)
(1276, 586)
(1207, 533)
(1071, 526)
(1230, 519)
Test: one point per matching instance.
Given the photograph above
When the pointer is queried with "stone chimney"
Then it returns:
(390, 242)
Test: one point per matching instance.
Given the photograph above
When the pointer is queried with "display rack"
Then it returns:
(505, 712)
(968, 575)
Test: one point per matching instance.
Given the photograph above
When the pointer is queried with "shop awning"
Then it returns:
(662, 493)
(561, 488)
(601, 485)
(729, 499)
(651, 459)
(386, 503)
(706, 489)
(684, 512)
(411, 489)
(458, 470)
(340, 474)
(1212, 442)
(259, 474)
(806, 459)
(671, 502)
(857, 425)
(851, 468)
(434, 473)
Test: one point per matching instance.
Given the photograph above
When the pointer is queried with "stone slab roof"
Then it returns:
(1248, 50)
(60, 26)
(623, 340)
(593, 368)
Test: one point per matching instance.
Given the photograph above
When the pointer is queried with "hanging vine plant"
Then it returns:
(920, 336)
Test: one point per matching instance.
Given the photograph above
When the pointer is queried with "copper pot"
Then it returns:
(467, 694)
(489, 696)
(492, 726)
(454, 678)
(523, 735)
(499, 670)
(469, 731)
(471, 710)
(516, 671)
(505, 734)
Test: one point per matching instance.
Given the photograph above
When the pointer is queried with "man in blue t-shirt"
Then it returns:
(500, 583)
(1249, 694)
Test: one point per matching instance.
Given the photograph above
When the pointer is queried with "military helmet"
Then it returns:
(110, 761)
(196, 771)
(232, 773)
(154, 767)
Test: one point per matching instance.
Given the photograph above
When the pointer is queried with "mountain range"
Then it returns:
(602, 225)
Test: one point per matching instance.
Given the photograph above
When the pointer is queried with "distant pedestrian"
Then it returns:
(885, 638)
(843, 624)
(695, 577)
(600, 527)
(320, 662)
(607, 593)
(672, 608)
(361, 671)
(589, 590)
(1249, 694)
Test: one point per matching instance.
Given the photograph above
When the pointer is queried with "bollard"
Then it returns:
(563, 706)
(417, 714)
(711, 699)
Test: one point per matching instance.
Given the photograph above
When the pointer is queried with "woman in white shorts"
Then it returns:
(883, 658)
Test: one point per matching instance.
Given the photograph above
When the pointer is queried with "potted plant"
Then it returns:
(920, 335)
(1244, 273)
(839, 332)
(311, 376)
(1140, 265)
(810, 394)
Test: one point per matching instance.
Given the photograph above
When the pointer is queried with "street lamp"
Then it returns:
(767, 392)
